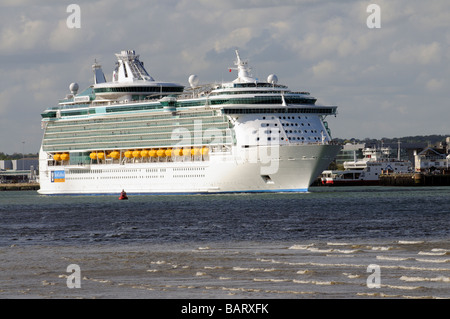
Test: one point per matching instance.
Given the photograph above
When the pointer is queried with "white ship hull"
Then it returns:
(294, 169)
(150, 137)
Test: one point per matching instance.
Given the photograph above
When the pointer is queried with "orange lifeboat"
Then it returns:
(152, 153)
(177, 152)
(93, 155)
(168, 152)
(161, 152)
(186, 151)
(144, 153)
(136, 154)
(114, 155)
(65, 157)
(57, 157)
(128, 154)
(205, 150)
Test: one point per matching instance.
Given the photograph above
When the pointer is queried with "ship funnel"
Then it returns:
(99, 77)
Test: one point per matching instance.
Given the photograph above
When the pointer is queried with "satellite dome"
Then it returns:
(73, 88)
(193, 80)
(272, 79)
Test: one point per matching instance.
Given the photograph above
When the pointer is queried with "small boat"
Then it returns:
(123, 195)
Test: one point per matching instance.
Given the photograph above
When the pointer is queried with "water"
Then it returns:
(314, 245)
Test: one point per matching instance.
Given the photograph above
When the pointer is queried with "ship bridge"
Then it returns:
(130, 81)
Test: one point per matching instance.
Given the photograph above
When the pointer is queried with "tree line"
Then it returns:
(17, 156)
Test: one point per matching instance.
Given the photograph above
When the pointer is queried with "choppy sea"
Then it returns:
(343, 242)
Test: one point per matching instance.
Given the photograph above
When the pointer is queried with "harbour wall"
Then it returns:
(415, 179)
(19, 187)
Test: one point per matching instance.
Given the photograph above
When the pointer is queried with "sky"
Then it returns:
(387, 81)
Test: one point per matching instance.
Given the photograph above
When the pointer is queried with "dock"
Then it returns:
(415, 179)
(19, 187)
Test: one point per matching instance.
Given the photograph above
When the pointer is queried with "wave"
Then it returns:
(254, 269)
(330, 250)
(351, 276)
(410, 242)
(300, 247)
(317, 282)
(339, 244)
(433, 260)
(394, 258)
(433, 253)
(382, 248)
(436, 279)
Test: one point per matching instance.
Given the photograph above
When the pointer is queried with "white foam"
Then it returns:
(300, 247)
(338, 244)
(436, 279)
(351, 276)
(315, 282)
(410, 242)
(270, 280)
(253, 269)
(213, 267)
(432, 253)
(433, 260)
(401, 287)
(440, 250)
(393, 258)
(382, 248)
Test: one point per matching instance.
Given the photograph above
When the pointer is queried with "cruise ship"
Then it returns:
(145, 136)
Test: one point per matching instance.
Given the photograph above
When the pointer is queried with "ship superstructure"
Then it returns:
(152, 137)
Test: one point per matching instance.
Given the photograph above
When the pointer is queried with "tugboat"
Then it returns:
(123, 195)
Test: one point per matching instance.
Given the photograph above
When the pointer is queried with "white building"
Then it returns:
(431, 159)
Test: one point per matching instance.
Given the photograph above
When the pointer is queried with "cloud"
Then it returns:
(418, 53)
(320, 46)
